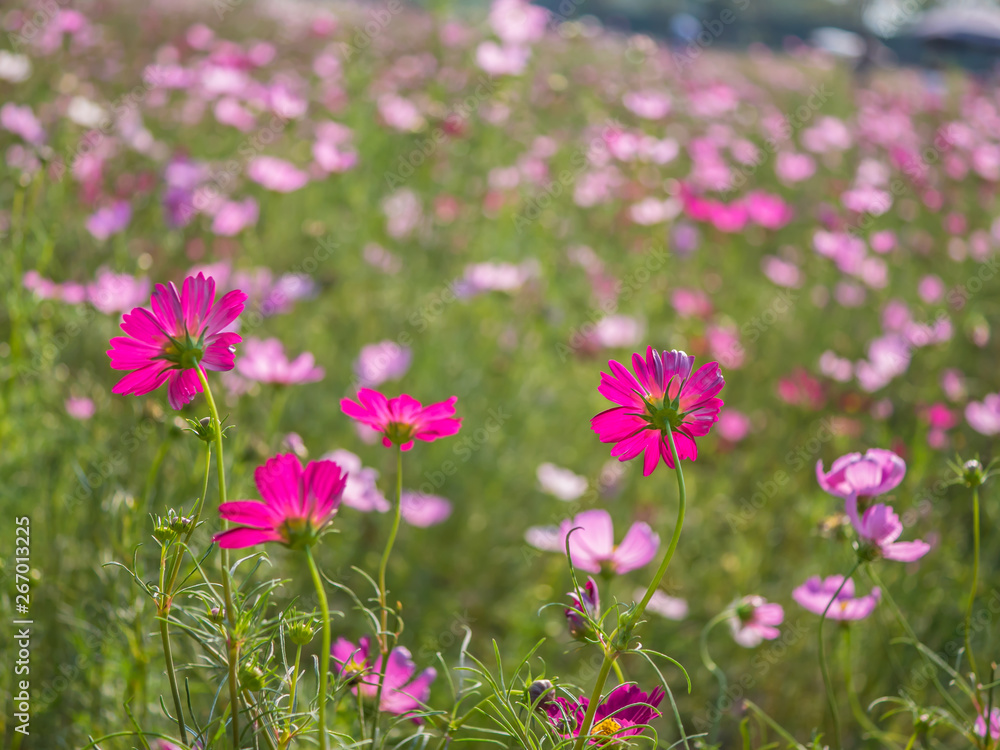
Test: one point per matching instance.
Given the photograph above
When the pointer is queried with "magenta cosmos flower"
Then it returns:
(874, 473)
(663, 393)
(754, 620)
(181, 332)
(878, 529)
(980, 727)
(625, 712)
(816, 594)
(403, 419)
(266, 362)
(402, 693)
(298, 504)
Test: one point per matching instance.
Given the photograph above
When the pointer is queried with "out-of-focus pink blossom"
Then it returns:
(266, 362)
(930, 289)
(497, 60)
(671, 607)
(361, 491)
(781, 272)
(21, 121)
(835, 368)
(276, 174)
(953, 384)
(404, 213)
(984, 416)
(399, 113)
(518, 22)
(109, 220)
(648, 104)
(235, 216)
(561, 483)
(754, 620)
(381, 362)
(80, 408)
(420, 509)
(767, 210)
(733, 425)
(691, 303)
(116, 292)
(793, 167)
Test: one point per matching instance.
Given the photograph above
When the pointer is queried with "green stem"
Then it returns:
(294, 685)
(898, 613)
(196, 516)
(234, 646)
(975, 584)
(610, 654)
(831, 700)
(384, 593)
(675, 538)
(773, 724)
(324, 656)
(163, 609)
(852, 697)
(712, 667)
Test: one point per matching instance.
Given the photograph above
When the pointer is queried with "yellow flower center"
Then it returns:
(607, 728)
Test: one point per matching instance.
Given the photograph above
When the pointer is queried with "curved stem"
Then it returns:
(610, 654)
(618, 672)
(234, 646)
(773, 724)
(898, 613)
(975, 584)
(324, 655)
(852, 697)
(831, 700)
(712, 667)
(675, 538)
(383, 592)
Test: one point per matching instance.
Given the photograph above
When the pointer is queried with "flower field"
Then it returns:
(379, 377)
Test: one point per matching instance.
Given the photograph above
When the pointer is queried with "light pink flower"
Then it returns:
(266, 362)
(733, 425)
(792, 167)
(876, 472)
(298, 504)
(592, 546)
(420, 509)
(276, 174)
(235, 216)
(767, 210)
(671, 607)
(361, 491)
(21, 121)
(561, 483)
(507, 60)
(980, 727)
(651, 105)
(755, 620)
(984, 416)
(878, 529)
(399, 113)
(116, 292)
(781, 272)
(378, 363)
(80, 408)
(109, 220)
(817, 593)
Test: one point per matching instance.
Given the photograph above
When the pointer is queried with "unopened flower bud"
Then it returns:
(216, 615)
(589, 603)
(251, 677)
(163, 532)
(540, 693)
(973, 474)
(300, 633)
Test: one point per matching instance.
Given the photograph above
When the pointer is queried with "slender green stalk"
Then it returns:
(957, 709)
(712, 667)
(773, 724)
(975, 584)
(234, 646)
(675, 538)
(383, 592)
(852, 697)
(162, 610)
(831, 700)
(609, 653)
(324, 655)
(196, 516)
(294, 685)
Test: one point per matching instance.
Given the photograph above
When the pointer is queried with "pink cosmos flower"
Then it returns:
(80, 408)
(266, 362)
(587, 602)
(878, 529)
(816, 593)
(361, 492)
(767, 210)
(276, 174)
(624, 713)
(403, 419)
(561, 483)
(874, 473)
(663, 394)
(109, 220)
(298, 504)
(182, 331)
(506, 60)
(380, 362)
(980, 727)
(518, 21)
(116, 292)
(422, 510)
(651, 105)
(402, 693)
(671, 607)
(235, 216)
(781, 272)
(592, 546)
(984, 416)
(22, 121)
(733, 425)
(755, 620)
